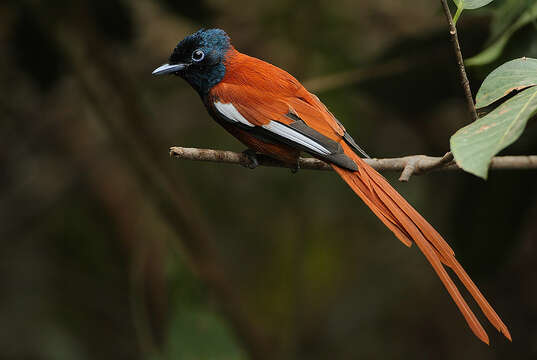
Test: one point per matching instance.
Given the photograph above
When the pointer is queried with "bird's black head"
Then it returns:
(199, 59)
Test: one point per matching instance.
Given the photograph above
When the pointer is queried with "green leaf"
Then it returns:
(516, 74)
(474, 145)
(505, 15)
(471, 4)
(495, 50)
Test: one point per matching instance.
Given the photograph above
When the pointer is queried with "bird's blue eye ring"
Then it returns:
(198, 55)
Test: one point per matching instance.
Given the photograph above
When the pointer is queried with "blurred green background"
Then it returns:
(112, 250)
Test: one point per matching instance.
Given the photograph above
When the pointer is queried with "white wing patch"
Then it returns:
(230, 112)
(293, 135)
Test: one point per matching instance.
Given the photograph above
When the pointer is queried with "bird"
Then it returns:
(270, 112)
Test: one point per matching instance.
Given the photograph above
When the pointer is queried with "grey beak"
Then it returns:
(168, 69)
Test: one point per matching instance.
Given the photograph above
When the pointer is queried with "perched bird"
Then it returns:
(269, 111)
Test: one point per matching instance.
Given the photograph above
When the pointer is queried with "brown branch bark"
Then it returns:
(460, 62)
(413, 164)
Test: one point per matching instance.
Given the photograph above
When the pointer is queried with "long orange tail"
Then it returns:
(409, 226)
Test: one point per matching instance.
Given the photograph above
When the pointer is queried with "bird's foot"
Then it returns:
(295, 169)
(252, 156)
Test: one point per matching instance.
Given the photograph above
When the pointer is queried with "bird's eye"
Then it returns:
(198, 55)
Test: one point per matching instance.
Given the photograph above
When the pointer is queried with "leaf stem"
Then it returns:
(458, 13)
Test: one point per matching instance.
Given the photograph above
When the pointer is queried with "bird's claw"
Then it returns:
(252, 156)
(295, 169)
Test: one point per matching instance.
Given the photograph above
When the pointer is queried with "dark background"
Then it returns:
(112, 250)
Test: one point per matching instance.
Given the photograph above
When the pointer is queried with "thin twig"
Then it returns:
(460, 62)
(413, 164)
(410, 168)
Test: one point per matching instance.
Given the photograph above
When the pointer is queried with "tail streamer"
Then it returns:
(410, 227)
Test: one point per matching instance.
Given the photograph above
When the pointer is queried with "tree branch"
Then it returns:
(414, 164)
(460, 62)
